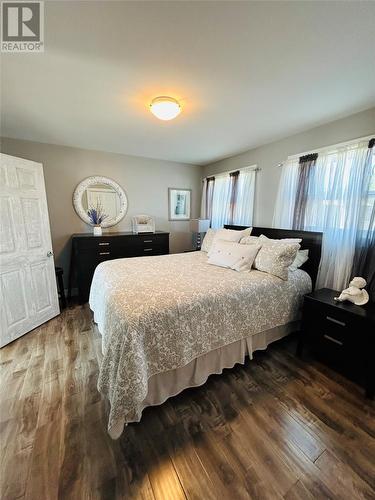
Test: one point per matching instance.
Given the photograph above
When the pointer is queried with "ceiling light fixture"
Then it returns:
(165, 108)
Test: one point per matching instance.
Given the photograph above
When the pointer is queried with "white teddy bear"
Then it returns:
(354, 293)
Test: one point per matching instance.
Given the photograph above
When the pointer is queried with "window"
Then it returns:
(338, 201)
(228, 198)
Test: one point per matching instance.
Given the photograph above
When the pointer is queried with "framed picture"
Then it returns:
(179, 204)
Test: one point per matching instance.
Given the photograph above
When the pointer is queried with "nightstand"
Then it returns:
(340, 334)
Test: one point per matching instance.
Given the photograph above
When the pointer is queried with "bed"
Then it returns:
(168, 322)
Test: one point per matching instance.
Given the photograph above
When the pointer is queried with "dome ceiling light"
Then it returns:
(165, 108)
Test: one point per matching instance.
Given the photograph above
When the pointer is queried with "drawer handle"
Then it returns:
(104, 253)
(331, 339)
(341, 323)
(103, 244)
(147, 241)
(147, 249)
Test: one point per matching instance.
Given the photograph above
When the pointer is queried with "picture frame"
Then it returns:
(179, 204)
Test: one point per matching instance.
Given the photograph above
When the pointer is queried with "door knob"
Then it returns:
(49, 254)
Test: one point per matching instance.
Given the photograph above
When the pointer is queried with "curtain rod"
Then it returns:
(333, 147)
(255, 168)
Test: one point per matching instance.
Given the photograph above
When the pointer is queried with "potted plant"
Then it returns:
(97, 216)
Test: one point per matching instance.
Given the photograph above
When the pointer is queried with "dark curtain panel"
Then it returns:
(364, 258)
(209, 196)
(233, 195)
(306, 164)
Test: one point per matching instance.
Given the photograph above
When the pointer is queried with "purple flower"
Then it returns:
(96, 214)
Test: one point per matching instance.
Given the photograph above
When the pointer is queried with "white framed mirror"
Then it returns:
(97, 190)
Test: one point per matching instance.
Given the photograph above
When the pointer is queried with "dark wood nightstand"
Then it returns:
(340, 334)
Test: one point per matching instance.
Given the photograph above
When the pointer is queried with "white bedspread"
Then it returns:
(159, 313)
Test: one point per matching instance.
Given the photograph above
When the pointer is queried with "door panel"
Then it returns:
(41, 285)
(16, 309)
(32, 222)
(27, 274)
(26, 179)
(7, 237)
(15, 306)
(3, 176)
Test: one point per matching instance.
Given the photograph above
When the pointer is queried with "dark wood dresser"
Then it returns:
(88, 251)
(340, 334)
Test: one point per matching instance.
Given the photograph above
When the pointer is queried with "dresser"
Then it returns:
(341, 335)
(88, 251)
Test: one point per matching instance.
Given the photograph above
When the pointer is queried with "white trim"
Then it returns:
(333, 147)
(220, 174)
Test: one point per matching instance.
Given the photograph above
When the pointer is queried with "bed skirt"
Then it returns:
(170, 383)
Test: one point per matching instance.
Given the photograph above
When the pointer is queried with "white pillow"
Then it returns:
(208, 239)
(301, 257)
(233, 255)
(250, 240)
(270, 241)
(275, 259)
(230, 235)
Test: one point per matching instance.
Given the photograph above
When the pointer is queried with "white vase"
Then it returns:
(98, 231)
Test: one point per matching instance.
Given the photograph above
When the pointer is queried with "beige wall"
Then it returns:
(144, 180)
(268, 156)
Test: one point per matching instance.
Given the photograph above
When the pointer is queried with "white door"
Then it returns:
(28, 294)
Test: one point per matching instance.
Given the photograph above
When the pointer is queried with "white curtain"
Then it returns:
(244, 200)
(338, 188)
(221, 201)
(243, 210)
(334, 200)
(286, 196)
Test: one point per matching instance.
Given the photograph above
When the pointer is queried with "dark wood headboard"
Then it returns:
(311, 241)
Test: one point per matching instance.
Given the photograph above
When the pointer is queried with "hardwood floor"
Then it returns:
(274, 428)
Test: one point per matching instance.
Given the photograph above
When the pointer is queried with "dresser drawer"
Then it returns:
(154, 250)
(334, 340)
(94, 243)
(335, 330)
(329, 317)
(153, 244)
(95, 255)
(103, 255)
(153, 240)
(327, 328)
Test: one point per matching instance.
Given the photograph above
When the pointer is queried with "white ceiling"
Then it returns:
(247, 73)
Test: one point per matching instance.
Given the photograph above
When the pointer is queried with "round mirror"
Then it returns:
(100, 193)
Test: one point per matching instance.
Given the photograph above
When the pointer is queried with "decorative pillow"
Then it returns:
(301, 257)
(265, 240)
(233, 255)
(230, 235)
(208, 239)
(275, 259)
(250, 240)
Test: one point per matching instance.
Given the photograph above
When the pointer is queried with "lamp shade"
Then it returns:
(199, 225)
(165, 108)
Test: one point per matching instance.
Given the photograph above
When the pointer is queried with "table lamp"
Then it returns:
(199, 226)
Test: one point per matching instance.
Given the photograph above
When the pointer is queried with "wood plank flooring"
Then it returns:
(274, 428)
